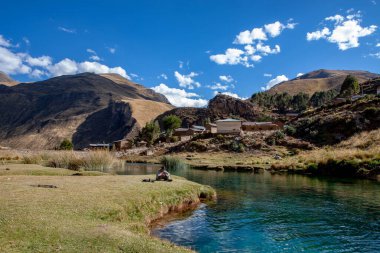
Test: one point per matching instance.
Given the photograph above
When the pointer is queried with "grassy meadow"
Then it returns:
(94, 212)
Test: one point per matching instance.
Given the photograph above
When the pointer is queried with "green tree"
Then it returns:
(320, 98)
(282, 101)
(66, 144)
(150, 132)
(350, 86)
(300, 101)
(170, 123)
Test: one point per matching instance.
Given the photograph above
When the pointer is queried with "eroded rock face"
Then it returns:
(223, 106)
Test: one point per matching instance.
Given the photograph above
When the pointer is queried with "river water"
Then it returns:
(277, 213)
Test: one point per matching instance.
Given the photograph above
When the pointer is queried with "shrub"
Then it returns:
(170, 123)
(290, 130)
(172, 163)
(275, 137)
(150, 132)
(350, 86)
(66, 160)
(197, 146)
(237, 146)
(66, 145)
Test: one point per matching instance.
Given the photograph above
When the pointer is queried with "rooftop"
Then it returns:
(229, 120)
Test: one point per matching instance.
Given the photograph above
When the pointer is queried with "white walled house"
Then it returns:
(228, 126)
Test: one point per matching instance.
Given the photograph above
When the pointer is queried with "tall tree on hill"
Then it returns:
(170, 123)
(350, 86)
(282, 101)
(320, 98)
(150, 132)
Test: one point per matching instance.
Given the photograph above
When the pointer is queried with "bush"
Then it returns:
(150, 132)
(172, 163)
(197, 146)
(103, 161)
(237, 146)
(275, 137)
(66, 145)
(290, 130)
(66, 160)
(170, 123)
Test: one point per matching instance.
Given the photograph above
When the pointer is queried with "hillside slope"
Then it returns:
(334, 123)
(6, 80)
(320, 80)
(86, 108)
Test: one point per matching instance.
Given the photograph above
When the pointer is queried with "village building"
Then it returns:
(211, 128)
(259, 126)
(228, 126)
(122, 144)
(184, 134)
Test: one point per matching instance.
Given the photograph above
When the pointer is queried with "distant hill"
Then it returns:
(87, 108)
(320, 80)
(6, 80)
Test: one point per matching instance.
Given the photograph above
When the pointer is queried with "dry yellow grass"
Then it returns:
(147, 110)
(87, 214)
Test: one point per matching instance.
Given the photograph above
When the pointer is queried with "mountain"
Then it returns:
(6, 80)
(320, 80)
(87, 108)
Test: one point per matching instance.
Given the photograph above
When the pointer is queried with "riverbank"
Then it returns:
(47, 209)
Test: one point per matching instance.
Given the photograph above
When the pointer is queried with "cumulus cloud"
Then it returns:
(179, 97)
(218, 86)
(274, 81)
(345, 31)
(300, 74)
(227, 79)
(94, 56)
(378, 45)
(187, 81)
(164, 76)
(254, 47)
(23, 63)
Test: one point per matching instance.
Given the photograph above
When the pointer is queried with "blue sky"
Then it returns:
(189, 50)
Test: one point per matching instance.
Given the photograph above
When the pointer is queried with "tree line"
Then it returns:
(284, 102)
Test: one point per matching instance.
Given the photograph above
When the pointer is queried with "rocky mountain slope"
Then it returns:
(320, 80)
(221, 106)
(87, 108)
(334, 123)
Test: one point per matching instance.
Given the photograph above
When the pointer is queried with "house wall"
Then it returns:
(228, 126)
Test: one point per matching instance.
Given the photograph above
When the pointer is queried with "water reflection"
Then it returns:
(278, 213)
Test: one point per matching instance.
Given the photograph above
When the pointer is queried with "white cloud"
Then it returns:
(234, 95)
(318, 34)
(94, 56)
(66, 30)
(345, 32)
(23, 63)
(12, 63)
(232, 56)
(4, 42)
(337, 18)
(164, 76)
(267, 75)
(227, 79)
(265, 49)
(180, 64)
(187, 81)
(179, 97)
(378, 45)
(277, 27)
(42, 61)
(218, 86)
(300, 74)
(274, 81)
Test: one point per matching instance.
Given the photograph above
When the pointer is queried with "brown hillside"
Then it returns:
(6, 80)
(86, 108)
(320, 80)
